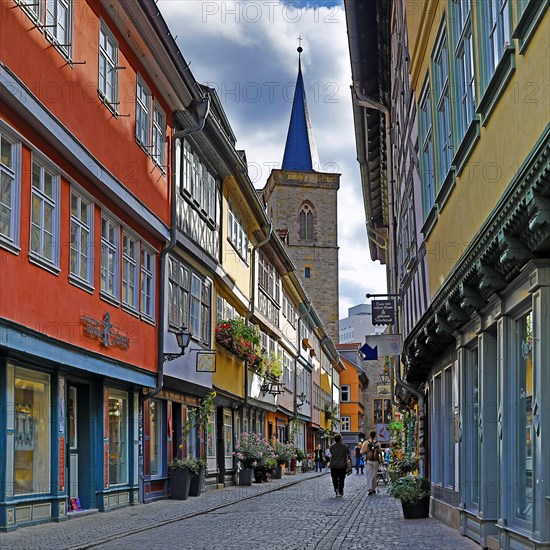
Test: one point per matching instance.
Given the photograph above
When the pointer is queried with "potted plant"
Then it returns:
(300, 456)
(200, 416)
(284, 453)
(414, 494)
(250, 451)
(181, 471)
(197, 424)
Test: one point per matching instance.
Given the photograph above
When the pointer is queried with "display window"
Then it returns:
(118, 437)
(32, 433)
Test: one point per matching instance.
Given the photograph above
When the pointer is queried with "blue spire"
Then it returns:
(300, 151)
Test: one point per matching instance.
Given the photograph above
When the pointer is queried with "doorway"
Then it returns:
(79, 455)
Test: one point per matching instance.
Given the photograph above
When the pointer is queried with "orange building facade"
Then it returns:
(84, 216)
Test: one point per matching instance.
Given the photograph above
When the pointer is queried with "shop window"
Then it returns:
(228, 435)
(524, 419)
(155, 438)
(118, 437)
(472, 418)
(32, 432)
(382, 411)
(211, 437)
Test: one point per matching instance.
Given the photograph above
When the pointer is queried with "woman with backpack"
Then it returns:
(372, 453)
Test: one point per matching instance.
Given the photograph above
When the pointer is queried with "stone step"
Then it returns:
(80, 513)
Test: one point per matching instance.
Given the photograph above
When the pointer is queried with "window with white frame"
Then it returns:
(268, 279)
(427, 150)
(81, 255)
(178, 294)
(44, 214)
(189, 296)
(227, 434)
(345, 394)
(345, 423)
(464, 61)
(211, 436)
(147, 307)
(108, 67)
(110, 253)
(288, 311)
(58, 23)
(237, 234)
(196, 181)
(224, 310)
(143, 113)
(159, 131)
(34, 8)
(130, 262)
(55, 18)
(497, 19)
(288, 371)
(10, 189)
(443, 132)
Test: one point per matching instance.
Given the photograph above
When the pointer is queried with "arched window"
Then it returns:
(306, 223)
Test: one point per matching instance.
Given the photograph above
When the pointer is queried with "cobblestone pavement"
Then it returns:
(296, 513)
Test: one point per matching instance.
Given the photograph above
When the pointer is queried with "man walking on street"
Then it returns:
(339, 455)
(319, 459)
(372, 451)
(359, 464)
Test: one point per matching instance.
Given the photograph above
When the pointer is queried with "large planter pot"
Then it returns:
(293, 465)
(278, 472)
(245, 477)
(420, 509)
(260, 474)
(197, 481)
(179, 484)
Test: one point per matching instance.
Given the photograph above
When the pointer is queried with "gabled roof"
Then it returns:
(300, 151)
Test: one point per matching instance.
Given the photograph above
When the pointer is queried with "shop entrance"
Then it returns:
(79, 426)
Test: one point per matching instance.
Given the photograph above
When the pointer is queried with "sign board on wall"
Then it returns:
(383, 433)
(383, 312)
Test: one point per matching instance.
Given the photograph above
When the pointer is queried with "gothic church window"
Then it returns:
(306, 222)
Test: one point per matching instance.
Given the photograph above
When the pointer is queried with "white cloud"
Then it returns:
(247, 51)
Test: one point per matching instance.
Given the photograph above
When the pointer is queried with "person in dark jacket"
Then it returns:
(338, 464)
(319, 457)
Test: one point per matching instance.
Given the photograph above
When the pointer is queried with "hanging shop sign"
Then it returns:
(383, 312)
(105, 331)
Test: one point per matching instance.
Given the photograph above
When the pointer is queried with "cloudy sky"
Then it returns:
(246, 50)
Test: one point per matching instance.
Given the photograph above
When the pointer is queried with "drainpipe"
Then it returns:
(202, 110)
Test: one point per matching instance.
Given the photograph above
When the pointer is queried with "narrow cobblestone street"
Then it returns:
(297, 512)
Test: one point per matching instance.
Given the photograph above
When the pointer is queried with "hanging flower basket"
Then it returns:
(240, 339)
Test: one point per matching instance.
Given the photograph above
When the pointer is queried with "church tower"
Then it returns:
(302, 203)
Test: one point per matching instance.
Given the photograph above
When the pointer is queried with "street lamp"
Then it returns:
(183, 338)
(302, 399)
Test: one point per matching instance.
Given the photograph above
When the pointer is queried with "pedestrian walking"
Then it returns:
(339, 456)
(319, 458)
(327, 457)
(359, 464)
(372, 451)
